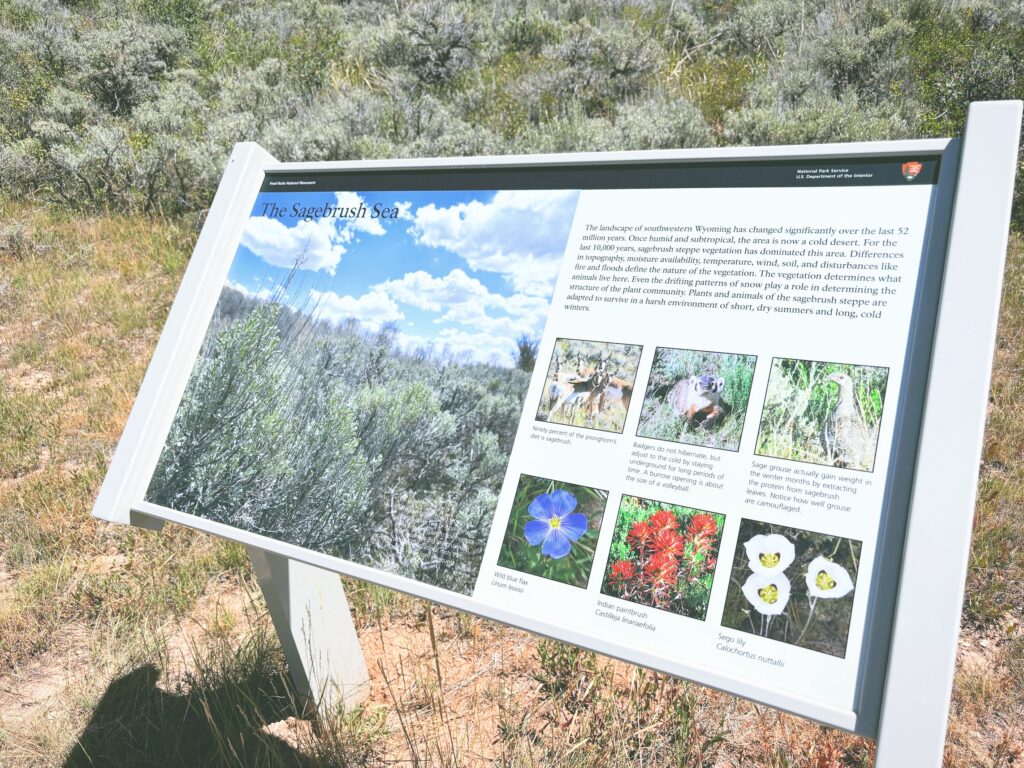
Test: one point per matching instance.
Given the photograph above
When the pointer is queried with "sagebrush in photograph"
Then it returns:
(794, 586)
(697, 397)
(350, 401)
(552, 530)
(663, 556)
(589, 384)
(823, 413)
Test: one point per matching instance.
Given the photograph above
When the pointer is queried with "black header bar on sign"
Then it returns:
(670, 174)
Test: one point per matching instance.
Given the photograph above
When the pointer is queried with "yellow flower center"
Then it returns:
(555, 522)
(769, 594)
(770, 559)
(824, 581)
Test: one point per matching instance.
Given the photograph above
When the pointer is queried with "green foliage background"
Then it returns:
(633, 509)
(799, 400)
(136, 104)
(672, 366)
(829, 627)
(575, 567)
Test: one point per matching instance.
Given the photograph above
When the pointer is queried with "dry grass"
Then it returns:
(124, 647)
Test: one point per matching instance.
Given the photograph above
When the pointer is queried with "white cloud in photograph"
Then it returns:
(320, 243)
(263, 294)
(519, 234)
(372, 309)
(404, 210)
(473, 319)
(466, 301)
(424, 291)
(480, 347)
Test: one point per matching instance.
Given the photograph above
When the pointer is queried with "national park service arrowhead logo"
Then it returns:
(911, 169)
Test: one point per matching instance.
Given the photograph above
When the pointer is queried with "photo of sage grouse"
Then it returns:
(845, 437)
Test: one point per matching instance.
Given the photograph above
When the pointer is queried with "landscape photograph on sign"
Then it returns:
(360, 385)
(589, 384)
(823, 413)
(663, 556)
(552, 530)
(697, 397)
(794, 586)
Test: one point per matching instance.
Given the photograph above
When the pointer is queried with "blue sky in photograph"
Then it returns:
(469, 271)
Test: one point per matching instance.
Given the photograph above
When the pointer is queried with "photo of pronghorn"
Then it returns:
(697, 397)
(589, 384)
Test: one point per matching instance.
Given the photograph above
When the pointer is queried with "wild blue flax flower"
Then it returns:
(554, 526)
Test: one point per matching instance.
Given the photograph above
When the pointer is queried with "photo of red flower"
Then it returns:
(663, 556)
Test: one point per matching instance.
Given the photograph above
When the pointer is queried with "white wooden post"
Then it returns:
(313, 622)
(922, 657)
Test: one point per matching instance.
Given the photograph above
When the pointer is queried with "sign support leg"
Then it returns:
(312, 619)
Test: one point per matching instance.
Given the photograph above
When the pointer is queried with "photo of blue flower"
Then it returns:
(555, 526)
(552, 530)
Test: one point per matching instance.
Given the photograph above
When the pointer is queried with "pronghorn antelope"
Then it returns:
(581, 392)
(557, 387)
(618, 391)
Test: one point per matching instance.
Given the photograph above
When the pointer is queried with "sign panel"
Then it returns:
(652, 404)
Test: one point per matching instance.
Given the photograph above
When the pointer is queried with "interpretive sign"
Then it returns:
(666, 405)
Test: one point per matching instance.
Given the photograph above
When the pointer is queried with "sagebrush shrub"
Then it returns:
(137, 106)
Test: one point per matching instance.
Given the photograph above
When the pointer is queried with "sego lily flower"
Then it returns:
(554, 526)
(770, 553)
(769, 594)
(827, 579)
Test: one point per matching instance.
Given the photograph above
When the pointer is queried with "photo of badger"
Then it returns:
(697, 397)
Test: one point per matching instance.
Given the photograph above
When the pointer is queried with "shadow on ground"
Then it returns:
(217, 723)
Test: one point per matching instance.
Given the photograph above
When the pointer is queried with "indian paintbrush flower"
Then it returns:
(621, 572)
(700, 532)
(668, 542)
(661, 569)
(663, 520)
(639, 534)
(702, 524)
(554, 526)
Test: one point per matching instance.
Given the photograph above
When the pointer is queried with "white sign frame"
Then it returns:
(909, 657)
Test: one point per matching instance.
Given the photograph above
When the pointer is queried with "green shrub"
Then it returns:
(137, 105)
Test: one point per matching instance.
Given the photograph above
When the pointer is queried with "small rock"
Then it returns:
(292, 731)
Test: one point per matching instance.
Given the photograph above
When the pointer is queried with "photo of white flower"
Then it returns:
(827, 579)
(768, 594)
(793, 586)
(769, 553)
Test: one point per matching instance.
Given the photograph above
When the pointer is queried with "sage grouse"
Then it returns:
(844, 435)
